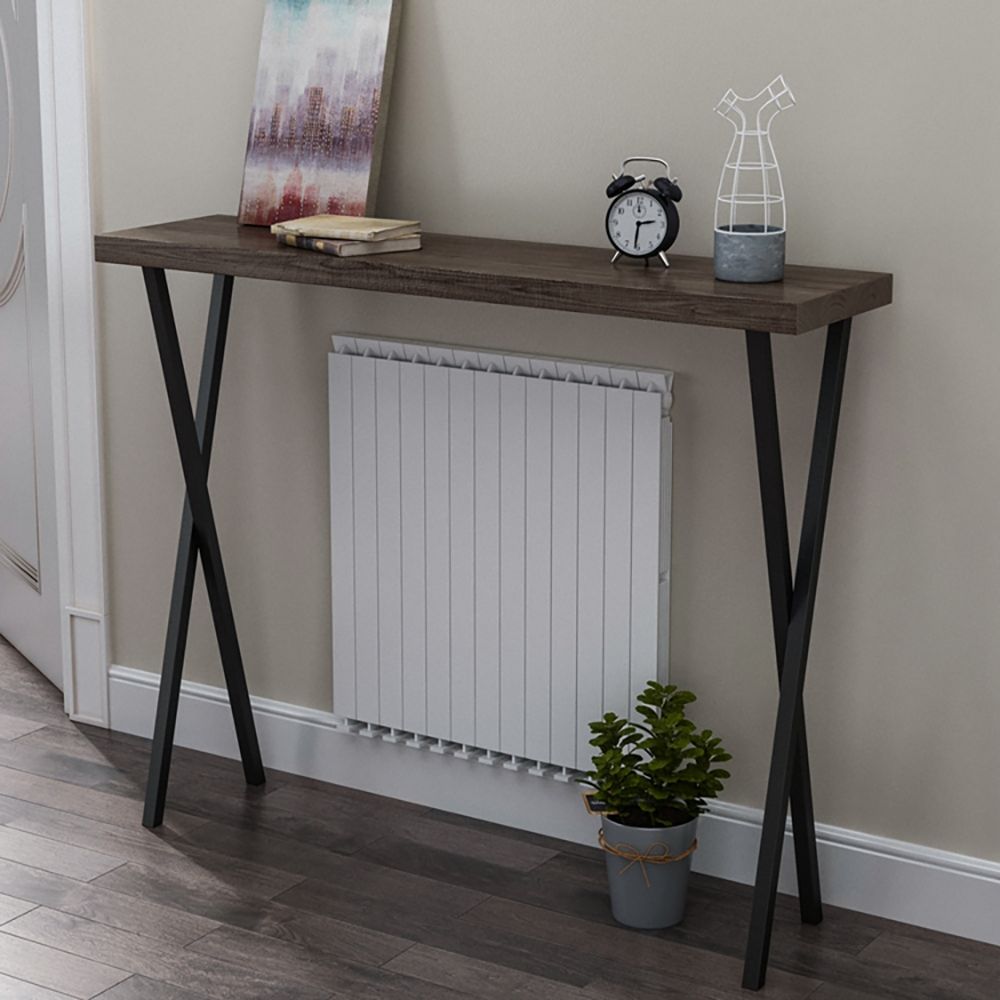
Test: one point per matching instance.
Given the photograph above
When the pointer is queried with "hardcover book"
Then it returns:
(319, 112)
(347, 227)
(350, 248)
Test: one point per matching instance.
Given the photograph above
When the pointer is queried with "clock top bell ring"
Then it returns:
(642, 219)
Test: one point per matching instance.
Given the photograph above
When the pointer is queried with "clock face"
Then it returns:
(637, 223)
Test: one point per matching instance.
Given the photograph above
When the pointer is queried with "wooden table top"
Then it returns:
(511, 272)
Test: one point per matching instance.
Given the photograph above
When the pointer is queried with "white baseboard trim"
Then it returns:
(919, 885)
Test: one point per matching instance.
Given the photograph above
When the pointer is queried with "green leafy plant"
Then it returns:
(659, 771)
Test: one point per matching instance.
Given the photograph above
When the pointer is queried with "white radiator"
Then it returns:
(495, 525)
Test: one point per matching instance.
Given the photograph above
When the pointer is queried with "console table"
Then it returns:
(545, 276)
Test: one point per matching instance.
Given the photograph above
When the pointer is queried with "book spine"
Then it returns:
(307, 243)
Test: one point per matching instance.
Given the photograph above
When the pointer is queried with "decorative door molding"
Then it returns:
(64, 87)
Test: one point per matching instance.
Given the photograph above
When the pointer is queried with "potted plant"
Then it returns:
(651, 779)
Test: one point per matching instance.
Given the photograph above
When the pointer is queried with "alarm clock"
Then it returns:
(642, 219)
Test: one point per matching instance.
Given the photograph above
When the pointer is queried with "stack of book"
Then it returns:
(348, 235)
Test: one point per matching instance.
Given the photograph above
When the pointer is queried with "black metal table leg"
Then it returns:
(198, 534)
(787, 756)
(779, 569)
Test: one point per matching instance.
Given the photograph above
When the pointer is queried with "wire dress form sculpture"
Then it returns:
(750, 214)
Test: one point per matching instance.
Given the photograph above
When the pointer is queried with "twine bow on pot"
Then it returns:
(656, 854)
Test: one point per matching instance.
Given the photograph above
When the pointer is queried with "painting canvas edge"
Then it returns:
(388, 70)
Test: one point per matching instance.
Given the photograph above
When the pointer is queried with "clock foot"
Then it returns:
(663, 257)
(617, 254)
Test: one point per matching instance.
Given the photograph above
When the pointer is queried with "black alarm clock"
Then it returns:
(642, 219)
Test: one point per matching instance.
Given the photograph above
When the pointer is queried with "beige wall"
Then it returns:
(506, 120)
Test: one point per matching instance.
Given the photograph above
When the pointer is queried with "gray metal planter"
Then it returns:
(647, 893)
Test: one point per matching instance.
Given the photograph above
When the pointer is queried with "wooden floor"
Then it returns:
(304, 890)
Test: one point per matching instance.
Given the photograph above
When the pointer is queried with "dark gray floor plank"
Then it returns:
(18, 989)
(475, 844)
(536, 839)
(56, 764)
(25, 693)
(221, 899)
(621, 955)
(914, 978)
(343, 827)
(555, 884)
(337, 793)
(12, 906)
(182, 861)
(423, 920)
(87, 899)
(273, 919)
(478, 978)
(295, 963)
(73, 742)
(18, 676)
(310, 834)
(91, 803)
(716, 907)
(52, 968)
(328, 801)
(966, 972)
(141, 988)
(376, 885)
(963, 949)
(278, 849)
(43, 710)
(215, 978)
(378, 882)
(12, 727)
(62, 859)
(830, 991)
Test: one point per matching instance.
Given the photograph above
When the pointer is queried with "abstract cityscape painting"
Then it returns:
(319, 109)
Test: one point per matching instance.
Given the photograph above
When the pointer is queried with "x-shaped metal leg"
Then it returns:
(791, 612)
(198, 534)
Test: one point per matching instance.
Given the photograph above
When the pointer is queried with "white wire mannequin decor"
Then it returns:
(750, 216)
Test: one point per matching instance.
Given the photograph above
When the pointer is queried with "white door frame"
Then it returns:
(64, 82)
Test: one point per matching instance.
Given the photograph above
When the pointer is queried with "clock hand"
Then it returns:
(641, 222)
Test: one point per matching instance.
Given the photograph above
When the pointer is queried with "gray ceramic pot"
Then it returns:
(748, 253)
(660, 903)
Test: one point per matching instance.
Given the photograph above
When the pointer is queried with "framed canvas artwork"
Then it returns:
(319, 109)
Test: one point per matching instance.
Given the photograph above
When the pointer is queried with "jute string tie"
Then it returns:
(657, 854)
